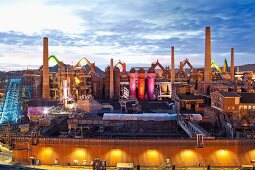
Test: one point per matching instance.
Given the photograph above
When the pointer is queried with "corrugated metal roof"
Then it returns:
(141, 117)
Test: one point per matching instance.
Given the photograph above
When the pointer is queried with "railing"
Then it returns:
(164, 166)
(185, 127)
(198, 129)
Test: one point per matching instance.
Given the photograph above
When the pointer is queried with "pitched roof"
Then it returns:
(229, 94)
(247, 97)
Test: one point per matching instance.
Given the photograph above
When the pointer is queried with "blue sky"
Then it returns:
(137, 32)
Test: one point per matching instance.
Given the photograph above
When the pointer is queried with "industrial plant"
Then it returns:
(154, 117)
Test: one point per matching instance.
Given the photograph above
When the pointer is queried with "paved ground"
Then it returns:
(47, 167)
(64, 167)
(142, 168)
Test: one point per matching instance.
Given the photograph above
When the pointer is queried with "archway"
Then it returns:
(184, 63)
(215, 65)
(181, 73)
(154, 65)
(55, 59)
(91, 65)
(122, 65)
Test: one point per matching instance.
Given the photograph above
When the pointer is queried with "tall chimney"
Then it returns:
(111, 80)
(207, 71)
(46, 86)
(172, 65)
(232, 67)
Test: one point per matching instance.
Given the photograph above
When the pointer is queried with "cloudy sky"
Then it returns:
(137, 32)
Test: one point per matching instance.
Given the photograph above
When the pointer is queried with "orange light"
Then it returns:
(222, 153)
(152, 153)
(116, 152)
(187, 153)
(115, 155)
(47, 151)
(153, 157)
(77, 81)
(80, 152)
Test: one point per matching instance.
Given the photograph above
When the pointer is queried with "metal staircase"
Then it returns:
(185, 127)
(192, 128)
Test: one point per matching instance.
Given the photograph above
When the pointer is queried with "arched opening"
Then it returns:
(216, 74)
(122, 65)
(83, 62)
(159, 73)
(183, 74)
(52, 60)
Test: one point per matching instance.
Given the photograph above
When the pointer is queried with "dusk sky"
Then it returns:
(137, 32)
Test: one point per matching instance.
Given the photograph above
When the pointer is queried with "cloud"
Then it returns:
(15, 67)
(134, 31)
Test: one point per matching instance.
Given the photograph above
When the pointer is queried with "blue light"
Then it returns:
(12, 102)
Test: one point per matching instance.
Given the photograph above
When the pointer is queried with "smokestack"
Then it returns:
(207, 71)
(172, 66)
(111, 80)
(232, 67)
(46, 86)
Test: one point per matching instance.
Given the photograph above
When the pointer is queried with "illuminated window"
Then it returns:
(249, 107)
(245, 107)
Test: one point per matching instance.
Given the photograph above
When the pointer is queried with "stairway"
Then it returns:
(192, 128)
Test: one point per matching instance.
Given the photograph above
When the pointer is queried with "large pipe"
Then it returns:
(46, 85)
(172, 66)
(232, 67)
(207, 71)
(116, 73)
(111, 80)
(107, 82)
(151, 84)
(141, 84)
(132, 85)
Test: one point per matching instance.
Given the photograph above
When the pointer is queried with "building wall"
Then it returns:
(244, 108)
(217, 101)
(187, 104)
(225, 104)
(140, 152)
(230, 105)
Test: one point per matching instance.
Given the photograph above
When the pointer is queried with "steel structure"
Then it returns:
(12, 102)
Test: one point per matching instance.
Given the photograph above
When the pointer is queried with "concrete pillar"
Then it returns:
(208, 70)
(111, 80)
(232, 67)
(172, 66)
(46, 85)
